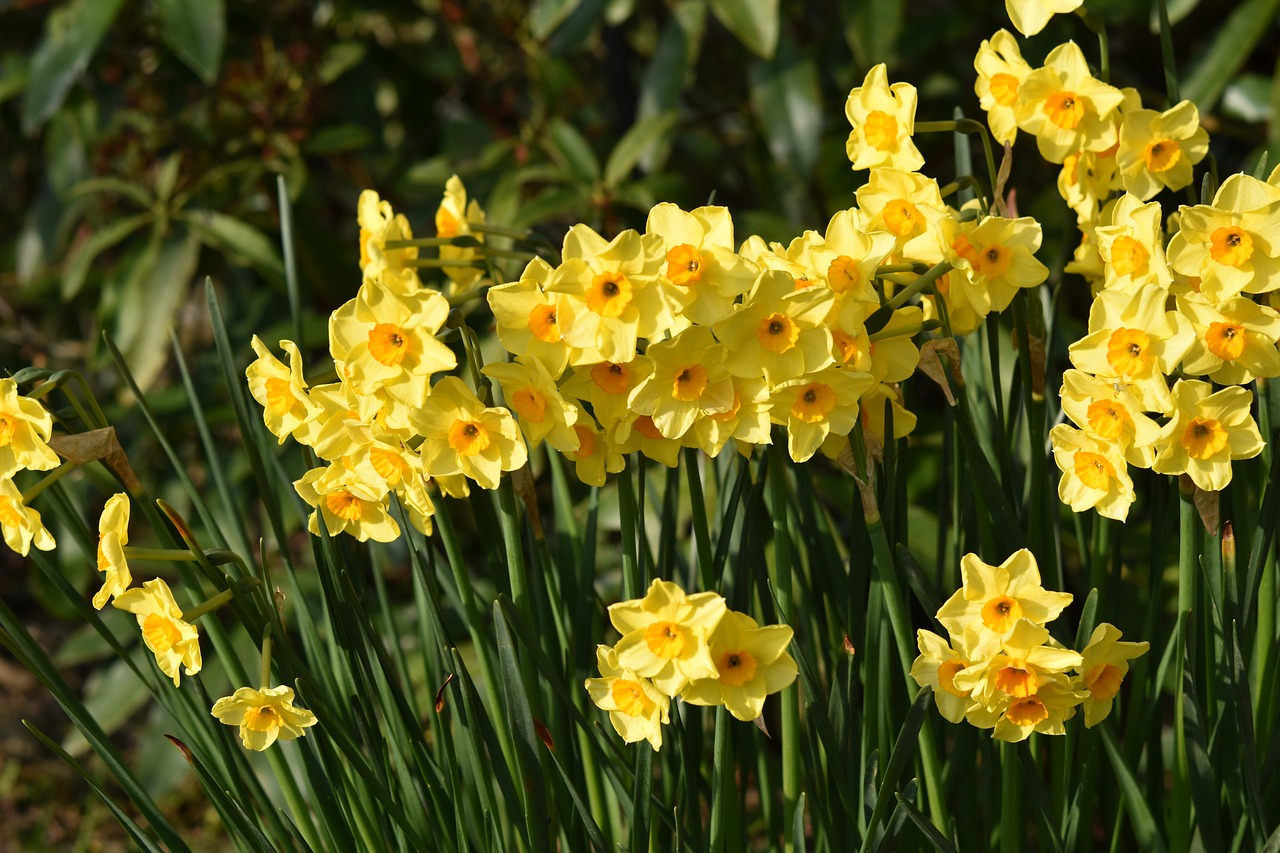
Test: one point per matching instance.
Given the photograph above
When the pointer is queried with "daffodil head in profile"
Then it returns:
(637, 709)
(174, 641)
(113, 535)
(264, 716)
(1104, 664)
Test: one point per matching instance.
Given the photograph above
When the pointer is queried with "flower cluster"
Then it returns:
(690, 647)
(25, 428)
(1001, 670)
(383, 428)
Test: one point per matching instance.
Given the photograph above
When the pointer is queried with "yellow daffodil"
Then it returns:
(746, 421)
(1094, 473)
(1001, 70)
(1112, 413)
(113, 535)
(280, 390)
(1045, 711)
(173, 641)
(595, 458)
(941, 660)
(606, 386)
(752, 662)
(392, 268)
(795, 258)
(264, 716)
(778, 331)
(1205, 432)
(379, 458)
(1104, 664)
(636, 708)
(463, 436)
(349, 501)
(1027, 661)
(955, 289)
(883, 119)
(848, 256)
(25, 426)
(613, 289)
(528, 320)
(699, 258)
(638, 433)
(1134, 340)
(454, 218)
(543, 412)
(1158, 150)
(994, 598)
(665, 635)
(21, 525)
(1000, 255)
(339, 410)
(816, 405)
(688, 382)
(387, 340)
(909, 206)
(1232, 245)
(1085, 181)
(1066, 108)
(1131, 244)
(874, 407)
(1030, 16)
(1235, 340)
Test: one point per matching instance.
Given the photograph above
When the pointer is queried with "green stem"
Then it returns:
(968, 125)
(1167, 55)
(790, 723)
(208, 605)
(48, 480)
(1011, 835)
(264, 674)
(517, 571)
(722, 781)
(170, 555)
(429, 242)
(918, 269)
(884, 313)
(1188, 556)
(701, 527)
(438, 263)
(632, 584)
(1098, 28)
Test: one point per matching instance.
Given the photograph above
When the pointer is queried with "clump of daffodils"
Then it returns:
(1000, 669)
(690, 647)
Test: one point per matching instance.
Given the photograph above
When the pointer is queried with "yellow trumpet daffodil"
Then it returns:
(264, 716)
(174, 642)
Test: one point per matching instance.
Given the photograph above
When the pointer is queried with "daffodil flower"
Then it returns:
(543, 412)
(777, 332)
(637, 709)
(529, 320)
(1158, 150)
(379, 224)
(1205, 432)
(25, 426)
(174, 642)
(665, 635)
(1001, 70)
(1232, 245)
(264, 716)
(1066, 107)
(1103, 666)
(454, 218)
(700, 259)
(752, 662)
(1235, 340)
(113, 535)
(595, 458)
(994, 598)
(907, 205)
(1131, 244)
(1030, 16)
(21, 525)
(463, 436)
(1094, 473)
(941, 660)
(1112, 413)
(280, 390)
(688, 382)
(883, 119)
(816, 405)
(1025, 664)
(349, 501)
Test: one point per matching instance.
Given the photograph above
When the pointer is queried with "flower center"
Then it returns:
(7, 429)
(610, 378)
(630, 698)
(1027, 711)
(684, 265)
(1231, 246)
(842, 274)
(543, 324)
(446, 223)
(10, 514)
(468, 437)
(646, 427)
(160, 633)
(388, 344)
(847, 345)
(1000, 613)
(994, 261)
(947, 677)
(1093, 470)
(902, 218)
(1017, 679)
(1065, 109)
(586, 442)
(609, 294)
(777, 333)
(262, 719)
(1162, 155)
(736, 668)
(880, 130)
(1129, 257)
(344, 505)
(690, 383)
(389, 465)
(813, 403)
(1129, 353)
(1004, 88)
(1107, 419)
(1204, 438)
(666, 639)
(1103, 681)
(529, 404)
(280, 399)
(1225, 340)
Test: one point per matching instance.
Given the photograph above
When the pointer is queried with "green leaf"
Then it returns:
(1231, 47)
(117, 186)
(787, 98)
(753, 22)
(516, 698)
(72, 34)
(238, 238)
(154, 298)
(1144, 825)
(546, 15)
(197, 31)
(904, 749)
(78, 267)
(939, 841)
(644, 136)
(872, 30)
(797, 825)
(572, 153)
